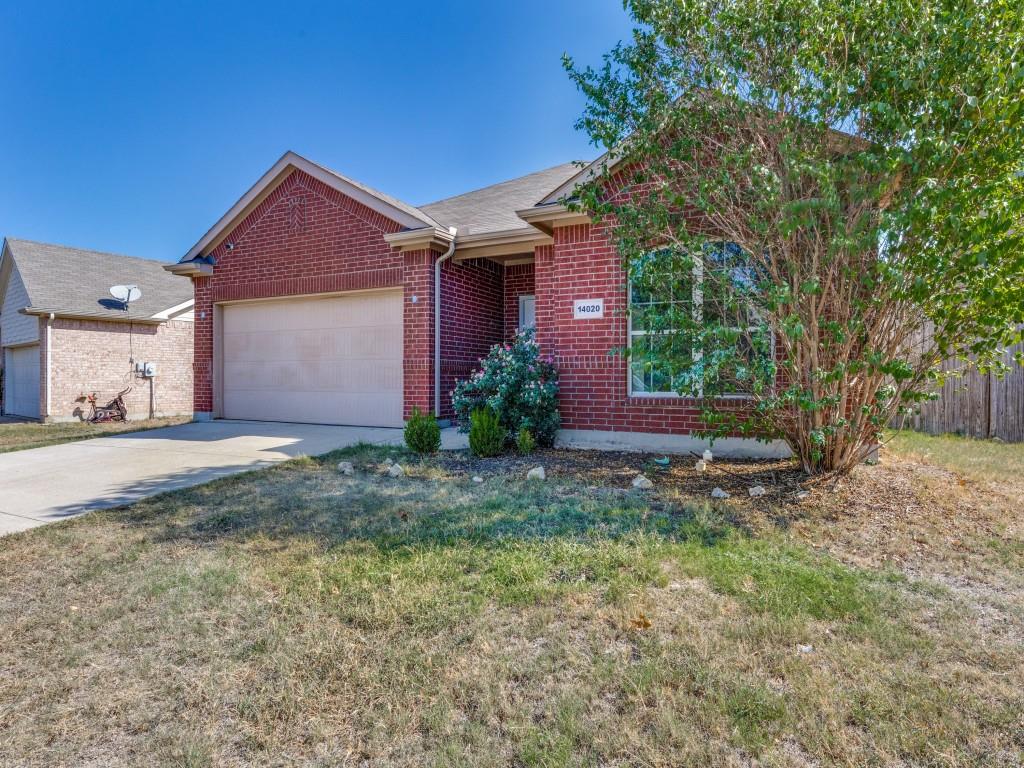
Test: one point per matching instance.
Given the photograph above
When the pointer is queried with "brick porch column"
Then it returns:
(202, 362)
(418, 364)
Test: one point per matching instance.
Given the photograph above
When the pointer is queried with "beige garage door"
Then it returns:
(333, 360)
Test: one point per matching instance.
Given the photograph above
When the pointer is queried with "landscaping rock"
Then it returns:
(396, 470)
(537, 473)
(642, 483)
(708, 456)
(346, 468)
(755, 491)
(701, 465)
(477, 479)
(718, 493)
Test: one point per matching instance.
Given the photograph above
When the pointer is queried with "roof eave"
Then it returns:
(547, 217)
(83, 315)
(420, 239)
(190, 269)
(173, 312)
(502, 243)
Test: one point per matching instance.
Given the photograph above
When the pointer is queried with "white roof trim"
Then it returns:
(6, 267)
(177, 309)
(395, 210)
(585, 174)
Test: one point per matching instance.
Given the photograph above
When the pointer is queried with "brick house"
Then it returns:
(63, 335)
(318, 299)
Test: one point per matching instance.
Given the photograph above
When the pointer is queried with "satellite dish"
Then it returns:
(126, 293)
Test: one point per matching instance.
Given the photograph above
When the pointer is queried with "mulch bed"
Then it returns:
(781, 479)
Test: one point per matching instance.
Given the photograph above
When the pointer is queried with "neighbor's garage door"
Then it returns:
(333, 360)
(21, 381)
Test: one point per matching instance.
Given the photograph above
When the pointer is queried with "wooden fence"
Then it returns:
(975, 404)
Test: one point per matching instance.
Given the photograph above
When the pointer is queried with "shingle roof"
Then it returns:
(392, 201)
(493, 208)
(73, 281)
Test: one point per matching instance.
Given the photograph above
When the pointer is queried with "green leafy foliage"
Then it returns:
(525, 441)
(518, 384)
(816, 204)
(487, 437)
(422, 432)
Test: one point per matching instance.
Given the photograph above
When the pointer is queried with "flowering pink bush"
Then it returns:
(519, 385)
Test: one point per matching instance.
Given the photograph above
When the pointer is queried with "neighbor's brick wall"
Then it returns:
(307, 238)
(471, 320)
(584, 264)
(519, 280)
(92, 356)
(42, 366)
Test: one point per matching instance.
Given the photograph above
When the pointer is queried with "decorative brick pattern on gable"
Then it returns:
(92, 356)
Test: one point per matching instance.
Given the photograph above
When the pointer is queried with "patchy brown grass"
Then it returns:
(19, 436)
(299, 616)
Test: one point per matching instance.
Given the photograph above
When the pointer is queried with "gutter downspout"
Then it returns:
(437, 322)
(49, 364)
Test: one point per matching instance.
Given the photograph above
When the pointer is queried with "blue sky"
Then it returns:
(132, 127)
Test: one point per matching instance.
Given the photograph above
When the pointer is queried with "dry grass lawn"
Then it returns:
(297, 616)
(18, 436)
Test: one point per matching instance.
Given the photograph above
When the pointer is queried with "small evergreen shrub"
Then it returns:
(487, 437)
(525, 442)
(422, 433)
(519, 385)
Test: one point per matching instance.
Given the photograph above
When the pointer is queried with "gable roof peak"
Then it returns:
(401, 213)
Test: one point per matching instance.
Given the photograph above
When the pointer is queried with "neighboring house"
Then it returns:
(315, 302)
(63, 335)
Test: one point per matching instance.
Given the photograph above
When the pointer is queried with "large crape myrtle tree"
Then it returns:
(815, 202)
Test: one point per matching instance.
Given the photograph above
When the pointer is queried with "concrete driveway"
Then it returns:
(44, 485)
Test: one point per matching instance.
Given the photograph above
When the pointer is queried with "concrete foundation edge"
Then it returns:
(654, 442)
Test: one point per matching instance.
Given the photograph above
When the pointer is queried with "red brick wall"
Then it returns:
(307, 238)
(471, 320)
(418, 281)
(92, 356)
(202, 362)
(519, 280)
(584, 264)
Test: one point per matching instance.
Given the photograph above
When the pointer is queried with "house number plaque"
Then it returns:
(587, 309)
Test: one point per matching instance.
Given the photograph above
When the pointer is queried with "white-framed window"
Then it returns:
(661, 300)
(527, 311)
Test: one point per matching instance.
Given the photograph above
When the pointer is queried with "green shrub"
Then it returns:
(487, 436)
(525, 441)
(422, 432)
(519, 385)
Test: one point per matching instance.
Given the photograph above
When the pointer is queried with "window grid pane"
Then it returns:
(683, 294)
